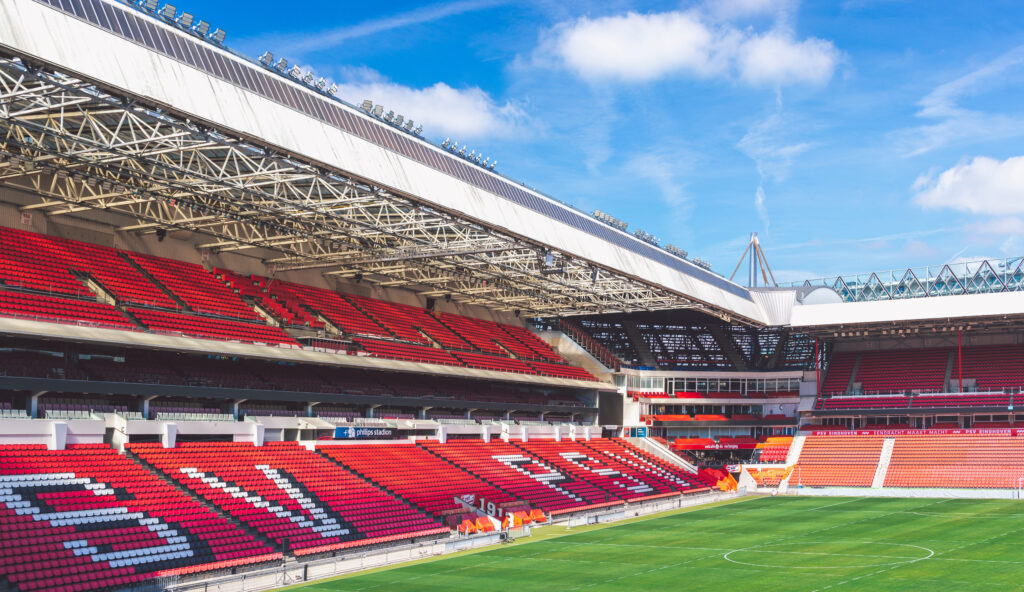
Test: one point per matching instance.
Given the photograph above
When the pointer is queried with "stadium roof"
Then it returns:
(163, 128)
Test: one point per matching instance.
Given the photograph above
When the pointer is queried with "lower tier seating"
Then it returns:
(957, 460)
(521, 474)
(296, 497)
(424, 479)
(839, 461)
(88, 518)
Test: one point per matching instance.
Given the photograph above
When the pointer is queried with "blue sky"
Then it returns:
(852, 136)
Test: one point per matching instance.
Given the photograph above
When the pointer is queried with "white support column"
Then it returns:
(485, 432)
(58, 435)
(310, 406)
(168, 434)
(442, 434)
(525, 433)
(258, 432)
(145, 406)
(236, 407)
(33, 410)
(558, 433)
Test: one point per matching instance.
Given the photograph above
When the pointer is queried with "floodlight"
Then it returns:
(202, 28)
(321, 83)
(218, 36)
(418, 131)
(185, 20)
(333, 90)
(149, 5)
(399, 119)
(367, 105)
(378, 111)
(408, 125)
(390, 116)
(282, 64)
(447, 142)
(494, 164)
(267, 59)
(455, 146)
(308, 78)
(168, 12)
(295, 72)
(463, 151)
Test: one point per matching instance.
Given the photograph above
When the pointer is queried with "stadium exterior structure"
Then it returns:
(163, 142)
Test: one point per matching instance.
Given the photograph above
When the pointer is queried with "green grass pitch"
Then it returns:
(797, 544)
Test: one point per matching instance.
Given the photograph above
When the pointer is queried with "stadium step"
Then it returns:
(149, 277)
(883, 463)
(366, 314)
(643, 350)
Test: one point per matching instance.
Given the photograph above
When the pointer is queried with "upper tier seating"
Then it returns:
(960, 460)
(31, 262)
(289, 493)
(521, 474)
(899, 370)
(340, 312)
(210, 328)
(424, 479)
(839, 460)
(837, 379)
(62, 310)
(196, 287)
(994, 367)
(87, 518)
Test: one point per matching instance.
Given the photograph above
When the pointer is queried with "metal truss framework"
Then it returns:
(80, 149)
(973, 277)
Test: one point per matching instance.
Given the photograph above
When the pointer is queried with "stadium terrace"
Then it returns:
(233, 360)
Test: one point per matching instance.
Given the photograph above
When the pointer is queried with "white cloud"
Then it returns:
(981, 186)
(774, 58)
(738, 9)
(464, 114)
(635, 47)
(638, 47)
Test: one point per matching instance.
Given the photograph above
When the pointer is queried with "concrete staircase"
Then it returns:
(883, 463)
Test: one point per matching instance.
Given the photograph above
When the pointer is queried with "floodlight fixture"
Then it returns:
(447, 142)
(185, 20)
(149, 5)
(378, 111)
(281, 65)
(333, 90)
(267, 59)
(168, 12)
(202, 28)
(295, 72)
(418, 131)
(321, 83)
(308, 77)
(408, 125)
(494, 164)
(367, 105)
(390, 116)
(218, 36)
(399, 119)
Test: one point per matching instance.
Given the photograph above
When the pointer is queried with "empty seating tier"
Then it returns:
(957, 460)
(838, 461)
(210, 328)
(340, 312)
(87, 518)
(899, 370)
(840, 368)
(196, 287)
(522, 474)
(295, 497)
(61, 310)
(420, 477)
(672, 475)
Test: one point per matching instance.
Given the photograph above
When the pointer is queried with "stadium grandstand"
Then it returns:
(248, 330)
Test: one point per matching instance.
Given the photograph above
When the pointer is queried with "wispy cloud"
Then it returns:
(295, 46)
(954, 123)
